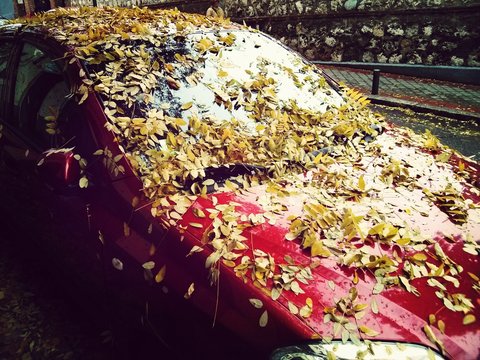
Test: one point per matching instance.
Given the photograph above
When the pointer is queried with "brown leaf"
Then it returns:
(161, 274)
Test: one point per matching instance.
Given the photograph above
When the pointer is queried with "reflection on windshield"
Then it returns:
(252, 68)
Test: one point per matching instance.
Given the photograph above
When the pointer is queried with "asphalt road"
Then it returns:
(461, 135)
(38, 320)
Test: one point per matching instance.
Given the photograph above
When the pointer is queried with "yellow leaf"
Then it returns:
(309, 302)
(171, 139)
(473, 276)
(152, 250)
(231, 185)
(229, 263)
(318, 158)
(204, 44)
(175, 215)
(187, 105)
(208, 182)
(367, 331)
(441, 326)
(256, 303)
(196, 225)
(222, 73)
(83, 183)
(443, 157)
(195, 249)
(149, 265)
(360, 307)
(260, 127)
(263, 319)
(198, 213)
(293, 308)
(469, 319)
(161, 274)
(429, 332)
(190, 291)
(403, 241)
(306, 311)
(431, 142)
(355, 277)
(361, 183)
(331, 355)
(419, 257)
(331, 285)
(319, 249)
(126, 229)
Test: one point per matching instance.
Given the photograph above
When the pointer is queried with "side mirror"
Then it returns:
(59, 169)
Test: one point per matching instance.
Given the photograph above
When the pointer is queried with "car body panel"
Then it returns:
(402, 314)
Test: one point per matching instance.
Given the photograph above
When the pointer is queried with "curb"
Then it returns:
(422, 108)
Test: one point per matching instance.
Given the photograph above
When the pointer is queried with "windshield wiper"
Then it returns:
(224, 172)
(227, 172)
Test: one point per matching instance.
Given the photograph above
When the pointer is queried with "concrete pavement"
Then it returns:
(454, 100)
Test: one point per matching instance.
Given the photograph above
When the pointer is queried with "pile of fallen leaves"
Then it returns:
(359, 186)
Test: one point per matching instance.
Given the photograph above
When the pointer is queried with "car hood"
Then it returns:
(412, 279)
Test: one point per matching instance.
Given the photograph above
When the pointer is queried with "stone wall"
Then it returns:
(241, 8)
(433, 32)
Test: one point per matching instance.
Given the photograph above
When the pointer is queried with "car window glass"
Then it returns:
(5, 49)
(73, 130)
(40, 94)
(251, 62)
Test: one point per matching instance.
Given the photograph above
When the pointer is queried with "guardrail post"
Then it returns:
(375, 81)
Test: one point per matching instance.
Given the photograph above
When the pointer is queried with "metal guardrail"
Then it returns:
(458, 74)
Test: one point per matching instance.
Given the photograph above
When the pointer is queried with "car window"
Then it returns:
(41, 92)
(5, 50)
(251, 62)
(73, 129)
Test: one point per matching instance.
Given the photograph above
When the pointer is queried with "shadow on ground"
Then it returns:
(41, 319)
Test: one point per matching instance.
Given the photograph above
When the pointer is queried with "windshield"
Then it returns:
(227, 80)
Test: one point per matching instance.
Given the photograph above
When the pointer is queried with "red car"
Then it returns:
(208, 176)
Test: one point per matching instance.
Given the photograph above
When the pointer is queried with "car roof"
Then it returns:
(77, 26)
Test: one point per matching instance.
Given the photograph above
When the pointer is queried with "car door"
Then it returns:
(40, 115)
(88, 229)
